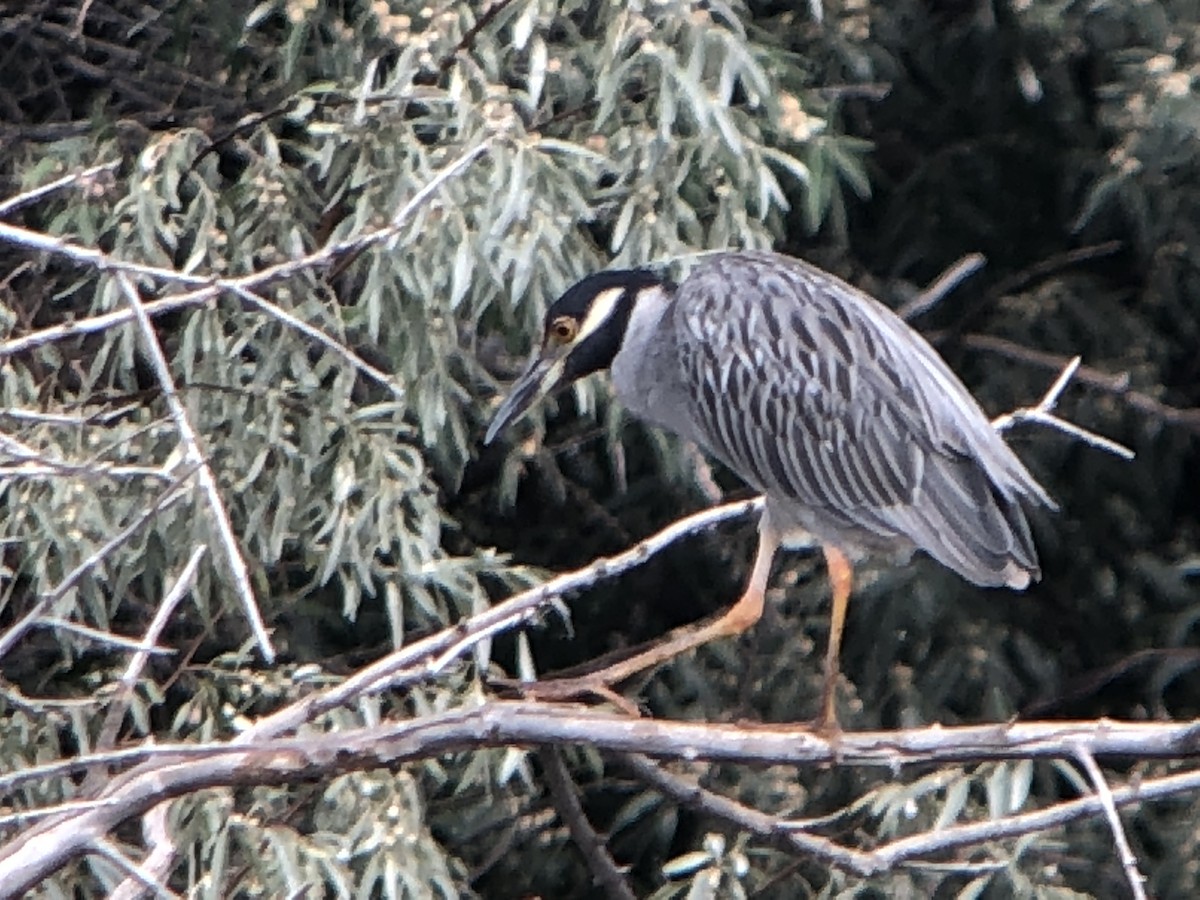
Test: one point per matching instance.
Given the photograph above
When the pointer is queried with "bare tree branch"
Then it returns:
(70, 807)
(29, 857)
(1128, 861)
(1117, 385)
(942, 285)
(119, 704)
(196, 457)
(158, 861)
(1043, 414)
(110, 851)
(91, 178)
(691, 795)
(471, 33)
(1087, 684)
(336, 347)
(103, 637)
(562, 789)
(1054, 263)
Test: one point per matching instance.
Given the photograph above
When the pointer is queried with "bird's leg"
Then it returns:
(840, 579)
(732, 622)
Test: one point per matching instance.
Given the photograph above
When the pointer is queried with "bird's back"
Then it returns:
(847, 419)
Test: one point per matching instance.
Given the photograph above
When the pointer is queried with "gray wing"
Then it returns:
(817, 394)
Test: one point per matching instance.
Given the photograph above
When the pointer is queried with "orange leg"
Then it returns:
(841, 576)
(733, 621)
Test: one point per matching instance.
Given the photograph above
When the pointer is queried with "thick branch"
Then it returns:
(33, 856)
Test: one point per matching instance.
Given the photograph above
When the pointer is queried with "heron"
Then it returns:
(852, 427)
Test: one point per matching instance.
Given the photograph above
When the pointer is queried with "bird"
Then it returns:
(818, 396)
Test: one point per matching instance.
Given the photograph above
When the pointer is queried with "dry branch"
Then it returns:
(174, 771)
(1124, 851)
(942, 285)
(562, 789)
(1118, 385)
(1043, 414)
(430, 656)
(86, 178)
(119, 704)
(196, 458)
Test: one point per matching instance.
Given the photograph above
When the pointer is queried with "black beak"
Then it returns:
(541, 376)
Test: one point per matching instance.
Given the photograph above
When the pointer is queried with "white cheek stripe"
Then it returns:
(602, 307)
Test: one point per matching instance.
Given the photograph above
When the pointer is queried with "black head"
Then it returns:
(582, 333)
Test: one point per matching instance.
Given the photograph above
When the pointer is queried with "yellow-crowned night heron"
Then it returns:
(819, 397)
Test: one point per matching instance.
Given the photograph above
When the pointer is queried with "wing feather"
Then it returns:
(816, 393)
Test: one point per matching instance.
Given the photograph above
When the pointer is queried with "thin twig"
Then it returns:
(80, 19)
(1043, 414)
(119, 704)
(91, 470)
(874, 91)
(336, 347)
(1051, 264)
(52, 418)
(1124, 851)
(1118, 385)
(104, 637)
(195, 456)
(17, 448)
(942, 285)
(469, 37)
(106, 848)
(35, 463)
(688, 792)
(31, 856)
(69, 807)
(87, 176)
(427, 190)
(158, 861)
(1088, 683)
(595, 853)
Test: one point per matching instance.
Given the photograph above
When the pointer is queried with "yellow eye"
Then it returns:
(563, 329)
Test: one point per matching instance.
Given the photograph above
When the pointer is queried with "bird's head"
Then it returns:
(582, 332)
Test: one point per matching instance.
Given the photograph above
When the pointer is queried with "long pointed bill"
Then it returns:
(538, 380)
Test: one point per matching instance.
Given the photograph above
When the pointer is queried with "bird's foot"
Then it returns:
(827, 727)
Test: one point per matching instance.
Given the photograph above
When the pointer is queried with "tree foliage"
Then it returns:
(390, 194)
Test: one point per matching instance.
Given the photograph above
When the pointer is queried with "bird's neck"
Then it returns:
(646, 371)
(645, 329)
